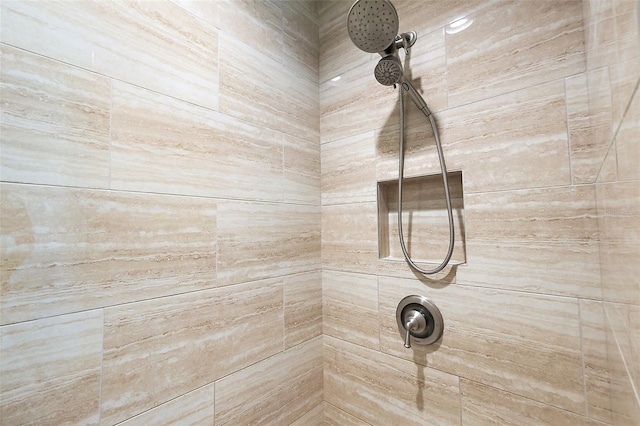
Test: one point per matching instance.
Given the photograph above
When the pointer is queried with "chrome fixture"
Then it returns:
(373, 27)
(420, 319)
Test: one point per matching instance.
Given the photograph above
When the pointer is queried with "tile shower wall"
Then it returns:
(160, 204)
(537, 105)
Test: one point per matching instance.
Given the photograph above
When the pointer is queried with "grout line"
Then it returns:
(566, 112)
(624, 361)
(101, 371)
(582, 359)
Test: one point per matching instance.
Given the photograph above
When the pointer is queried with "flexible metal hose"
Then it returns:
(443, 168)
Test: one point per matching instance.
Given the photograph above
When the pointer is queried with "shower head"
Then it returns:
(372, 24)
(389, 70)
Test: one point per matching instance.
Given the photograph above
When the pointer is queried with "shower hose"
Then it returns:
(443, 168)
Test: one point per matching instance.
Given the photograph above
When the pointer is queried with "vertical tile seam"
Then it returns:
(109, 181)
(582, 359)
(566, 116)
(101, 368)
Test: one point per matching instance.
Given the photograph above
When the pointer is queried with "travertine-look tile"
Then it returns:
(517, 140)
(348, 170)
(302, 307)
(519, 342)
(350, 308)
(628, 142)
(67, 250)
(384, 390)
(160, 144)
(333, 416)
(191, 409)
(540, 240)
(301, 171)
(159, 349)
(258, 88)
(356, 103)
(156, 45)
(301, 39)
(54, 122)
(258, 241)
(484, 405)
(593, 328)
(50, 370)
(275, 391)
(337, 53)
(350, 244)
(589, 122)
(536, 42)
(600, 33)
(313, 417)
(624, 79)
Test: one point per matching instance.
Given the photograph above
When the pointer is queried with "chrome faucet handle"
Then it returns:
(414, 321)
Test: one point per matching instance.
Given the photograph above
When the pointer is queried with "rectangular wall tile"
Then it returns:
(484, 405)
(518, 342)
(258, 241)
(54, 122)
(50, 370)
(156, 45)
(517, 140)
(383, 389)
(302, 307)
(301, 171)
(541, 240)
(164, 145)
(66, 250)
(275, 391)
(348, 170)
(159, 349)
(313, 417)
(589, 122)
(593, 328)
(301, 40)
(191, 409)
(259, 89)
(350, 308)
(537, 42)
(627, 141)
(333, 416)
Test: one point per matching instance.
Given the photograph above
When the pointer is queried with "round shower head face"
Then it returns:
(388, 71)
(372, 24)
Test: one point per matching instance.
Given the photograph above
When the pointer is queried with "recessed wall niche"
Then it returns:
(425, 222)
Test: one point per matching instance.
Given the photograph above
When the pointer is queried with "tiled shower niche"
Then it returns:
(425, 222)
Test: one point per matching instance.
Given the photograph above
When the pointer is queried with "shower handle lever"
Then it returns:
(415, 321)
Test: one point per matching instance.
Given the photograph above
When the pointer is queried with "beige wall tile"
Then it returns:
(517, 140)
(350, 308)
(67, 250)
(600, 33)
(519, 342)
(191, 409)
(334, 416)
(337, 53)
(301, 39)
(589, 122)
(383, 389)
(593, 328)
(258, 88)
(313, 417)
(54, 122)
(258, 241)
(484, 405)
(275, 391)
(348, 170)
(628, 143)
(159, 349)
(164, 145)
(540, 240)
(156, 45)
(302, 307)
(537, 42)
(50, 370)
(624, 79)
(301, 171)
(356, 103)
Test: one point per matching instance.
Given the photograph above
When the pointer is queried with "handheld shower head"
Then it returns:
(372, 24)
(389, 70)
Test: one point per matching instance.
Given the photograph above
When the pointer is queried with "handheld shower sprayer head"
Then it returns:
(372, 25)
(389, 70)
